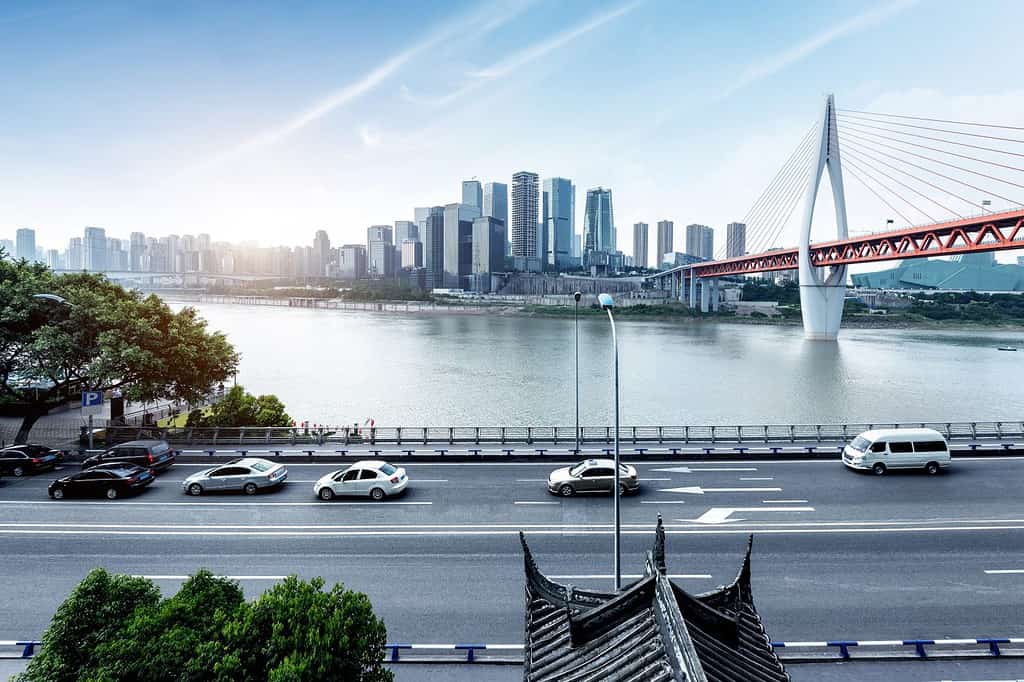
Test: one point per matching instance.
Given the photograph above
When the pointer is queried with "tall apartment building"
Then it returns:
(524, 215)
(380, 251)
(558, 210)
(137, 252)
(25, 244)
(735, 240)
(599, 221)
(666, 241)
(321, 253)
(640, 245)
(700, 241)
(458, 244)
(433, 247)
(94, 249)
(73, 257)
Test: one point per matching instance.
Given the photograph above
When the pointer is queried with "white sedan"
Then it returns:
(372, 478)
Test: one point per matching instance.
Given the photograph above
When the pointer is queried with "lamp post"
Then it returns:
(607, 303)
(576, 320)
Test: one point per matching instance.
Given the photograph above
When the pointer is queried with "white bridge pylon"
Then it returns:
(821, 295)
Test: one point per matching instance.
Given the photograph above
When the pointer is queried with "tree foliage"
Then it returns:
(115, 627)
(103, 337)
(238, 408)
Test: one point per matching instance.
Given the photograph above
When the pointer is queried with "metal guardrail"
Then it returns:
(564, 435)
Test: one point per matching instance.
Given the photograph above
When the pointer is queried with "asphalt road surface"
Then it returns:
(837, 554)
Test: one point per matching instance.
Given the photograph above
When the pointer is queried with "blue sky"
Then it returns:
(268, 121)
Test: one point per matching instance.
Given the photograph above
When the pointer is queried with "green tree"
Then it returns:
(95, 613)
(104, 337)
(297, 632)
(238, 408)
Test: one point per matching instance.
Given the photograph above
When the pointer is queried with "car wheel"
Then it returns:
(566, 490)
(57, 494)
(326, 494)
(249, 488)
(623, 490)
(111, 493)
(932, 468)
(377, 494)
(19, 471)
(878, 469)
(195, 489)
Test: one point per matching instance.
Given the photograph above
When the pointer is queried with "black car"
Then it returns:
(109, 483)
(150, 454)
(21, 459)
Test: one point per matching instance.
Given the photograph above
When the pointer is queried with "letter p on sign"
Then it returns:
(92, 402)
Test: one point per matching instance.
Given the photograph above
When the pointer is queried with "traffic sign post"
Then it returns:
(92, 403)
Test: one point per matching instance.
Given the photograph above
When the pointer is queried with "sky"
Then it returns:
(259, 121)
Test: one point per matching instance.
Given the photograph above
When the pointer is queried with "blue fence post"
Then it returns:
(443, 452)
(919, 645)
(993, 644)
(540, 451)
(395, 649)
(475, 451)
(844, 646)
(470, 649)
(508, 451)
(29, 650)
(409, 452)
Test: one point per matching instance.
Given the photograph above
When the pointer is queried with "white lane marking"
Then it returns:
(531, 480)
(756, 478)
(197, 503)
(722, 514)
(783, 501)
(657, 479)
(697, 490)
(687, 470)
(1005, 571)
(228, 577)
(428, 480)
(662, 501)
(632, 576)
(518, 502)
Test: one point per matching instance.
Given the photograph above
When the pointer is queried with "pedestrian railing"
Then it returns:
(555, 435)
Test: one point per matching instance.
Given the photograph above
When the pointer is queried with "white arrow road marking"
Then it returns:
(1004, 571)
(717, 515)
(686, 470)
(697, 490)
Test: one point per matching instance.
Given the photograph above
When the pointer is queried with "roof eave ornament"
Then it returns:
(658, 553)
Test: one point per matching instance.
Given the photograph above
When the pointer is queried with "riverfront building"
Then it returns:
(666, 240)
(496, 206)
(700, 241)
(640, 245)
(458, 244)
(558, 209)
(970, 272)
(524, 220)
(25, 244)
(94, 249)
(472, 194)
(380, 251)
(599, 222)
(735, 240)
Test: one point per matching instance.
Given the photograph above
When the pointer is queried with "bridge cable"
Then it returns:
(783, 218)
(784, 210)
(847, 124)
(933, 120)
(855, 174)
(937, 130)
(858, 157)
(865, 171)
(866, 149)
(875, 137)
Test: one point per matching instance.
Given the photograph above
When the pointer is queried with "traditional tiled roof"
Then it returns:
(652, 630)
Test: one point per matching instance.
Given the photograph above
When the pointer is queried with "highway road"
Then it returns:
(837, 554)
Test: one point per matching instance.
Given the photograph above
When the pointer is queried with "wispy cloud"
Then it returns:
(369, 136)
(485, 18)
(518, 60)
(771, 65)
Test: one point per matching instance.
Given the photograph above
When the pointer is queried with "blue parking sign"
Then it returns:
(92, 402)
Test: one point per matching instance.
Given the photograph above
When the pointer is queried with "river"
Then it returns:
(336, 367)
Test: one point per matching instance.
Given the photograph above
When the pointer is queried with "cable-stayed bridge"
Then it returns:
(944, 174)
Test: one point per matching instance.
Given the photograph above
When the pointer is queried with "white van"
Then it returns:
(884, 449)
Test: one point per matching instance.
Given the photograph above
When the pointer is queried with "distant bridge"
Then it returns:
(122, 275)
(822, 293)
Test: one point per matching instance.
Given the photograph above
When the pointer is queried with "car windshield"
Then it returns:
(260, 466)
(860, 444)
(577, 469)
(387, 469)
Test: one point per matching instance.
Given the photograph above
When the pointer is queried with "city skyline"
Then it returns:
(253, 153)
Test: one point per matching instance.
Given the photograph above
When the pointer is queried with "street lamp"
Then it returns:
(607, 303)
(576, 320)
(52, 297)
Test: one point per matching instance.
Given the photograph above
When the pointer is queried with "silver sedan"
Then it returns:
(248, 475)
(372, 478)
(592, 476)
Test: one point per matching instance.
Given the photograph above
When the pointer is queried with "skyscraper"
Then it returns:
(321, 253)
(488, 246)
(496, 206)
(735, 240)
(700, 241)
(25, 244)
(666, 241)
(640, 245)
(94, 249)
(598, 221)
(433, 247)
(412, 253)
(472, 195)
(352, 261)
(406, 230)
(458, 244)
(524, 215)
(73, 260)
(136, 251)
(558, 209)
(380, 251)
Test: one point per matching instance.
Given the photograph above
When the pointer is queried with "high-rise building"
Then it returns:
(433, 247)
(558, 210)
(577, 246)
(53, 260)
(406, 230)
(524, 215)
(640, 245)
(73, 257)
(700, 241)
(25, 244)
(352, 261)
(473, 195)
(488, 246)
(412, 253)
(321, 253)
(380, 251)
(666, 241)
(458, 244)
(496, 206)
(117, 255)
(136, 251)
(735, 240)
(598, 221)
(94, 249)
